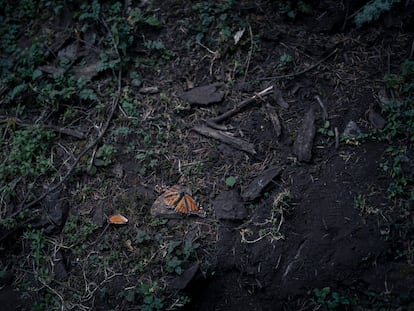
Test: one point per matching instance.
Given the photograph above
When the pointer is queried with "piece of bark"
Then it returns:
(54, 213)
(60, 270)
(181, 282)
(226, 138)
(204, 95)
(149, 90)
(51, 69)
(377, 121)
(323, 106)
(274, 118)
(304, 142)
(256, 187)
(278, 96)
(60, 38)
(70, 52)
(86, 71)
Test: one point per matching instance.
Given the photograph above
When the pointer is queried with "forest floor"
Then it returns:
(307, 182)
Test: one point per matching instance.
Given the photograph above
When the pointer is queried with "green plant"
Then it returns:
(220, 16)
(38, 252)
(195, 169)
(151, 301)
(360, 202)
(45, 300)
(230, 181)
(332, 300)
(178, 257)
(147, 159)
(28, 155)
(326, 129)
(372, 10)
(121, 131)
(129, 294)
(111, 258)
(136, 17)
(37, 244)
(3, 273)
(395, 158)
(142, 236)
(77, 230)
(292, 8)
(399, 112)
(370, 300)
(105, 155)
(285, 61)
(180, 303)
(399, 127)
(130, 104)
(158, 46)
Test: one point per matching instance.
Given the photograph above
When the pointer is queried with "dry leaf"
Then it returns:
(117, 219)
(237, 36)
(128, 245)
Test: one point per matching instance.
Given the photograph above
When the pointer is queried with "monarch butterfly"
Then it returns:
(117, 219)
(178, 199)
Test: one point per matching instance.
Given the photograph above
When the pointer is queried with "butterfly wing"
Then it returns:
(176, 198)
(191, 207)
(172, 196)
(172, 200)
(181, 206)
(171, 191)
(117, 219)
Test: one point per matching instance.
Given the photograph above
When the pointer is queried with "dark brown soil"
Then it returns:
(323, 238)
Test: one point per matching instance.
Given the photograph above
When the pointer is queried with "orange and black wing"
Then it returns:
(176, 198)
(117, 219)
(188, 206)
(172, 196)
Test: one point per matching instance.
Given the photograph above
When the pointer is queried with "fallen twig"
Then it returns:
(279, 98)
(226, 138)
(62, 306)
(228, 114)
(295, 74)
(336, 138)
(325, 112)
(249, 56)
(274, 118)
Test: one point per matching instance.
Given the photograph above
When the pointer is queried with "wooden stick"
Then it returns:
(228, 114)
(336, 138)
(226, 138)
(325, 112)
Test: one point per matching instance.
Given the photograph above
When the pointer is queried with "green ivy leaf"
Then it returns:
(230, 181)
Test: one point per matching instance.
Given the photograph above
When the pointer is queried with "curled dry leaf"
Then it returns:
(128, 245)
(117, 219)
